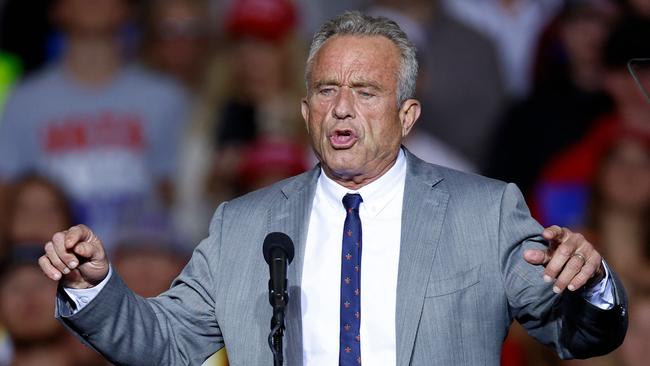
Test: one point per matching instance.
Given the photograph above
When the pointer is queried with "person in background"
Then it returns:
(105, 130)
(249, 82)
(263, 64)
(26, 306)
(618, 221)
(177, 40)
(569, 95)
(461, 87)
(514, 26)
(37, 208)
(26, 312)
(619, 214)
(148, 263)
(561, 194)
(252, 84)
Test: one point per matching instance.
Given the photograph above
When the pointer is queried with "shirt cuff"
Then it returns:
(81, 297)
(601, 294)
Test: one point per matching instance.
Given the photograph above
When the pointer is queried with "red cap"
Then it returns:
(265, 19)
(266, 156)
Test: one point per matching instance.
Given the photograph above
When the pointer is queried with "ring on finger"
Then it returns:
(581, 256)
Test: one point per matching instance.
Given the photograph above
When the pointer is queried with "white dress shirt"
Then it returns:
(381, 220)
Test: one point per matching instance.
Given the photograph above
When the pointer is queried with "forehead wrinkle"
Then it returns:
(339, 66)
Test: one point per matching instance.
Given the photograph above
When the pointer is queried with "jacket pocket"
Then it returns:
(454, 283)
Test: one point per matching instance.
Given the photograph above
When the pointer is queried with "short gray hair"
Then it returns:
(355, 23)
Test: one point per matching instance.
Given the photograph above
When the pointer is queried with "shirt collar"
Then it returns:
(376, 195)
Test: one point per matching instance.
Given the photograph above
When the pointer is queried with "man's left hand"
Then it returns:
(571, 261)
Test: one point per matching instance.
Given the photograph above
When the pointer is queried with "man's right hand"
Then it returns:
(76, 257)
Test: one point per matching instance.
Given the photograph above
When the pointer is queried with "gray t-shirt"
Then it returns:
(107, 147)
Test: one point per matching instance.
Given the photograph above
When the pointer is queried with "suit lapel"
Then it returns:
(423, 212)
(291, 216)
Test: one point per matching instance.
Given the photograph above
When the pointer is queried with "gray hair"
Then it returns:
(357, 24)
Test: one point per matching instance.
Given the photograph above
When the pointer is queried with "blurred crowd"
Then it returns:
(137, 118)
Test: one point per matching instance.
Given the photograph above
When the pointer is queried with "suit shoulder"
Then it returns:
(471, 180)
(262, 198)
(458, 181)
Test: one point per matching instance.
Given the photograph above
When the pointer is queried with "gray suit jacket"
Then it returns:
(461, 282)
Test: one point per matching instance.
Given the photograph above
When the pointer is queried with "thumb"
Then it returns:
(86, 250)
(536, 256)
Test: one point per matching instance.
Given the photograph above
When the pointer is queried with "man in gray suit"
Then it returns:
(449, 259)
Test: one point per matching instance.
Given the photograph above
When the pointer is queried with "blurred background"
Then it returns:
(138, 118)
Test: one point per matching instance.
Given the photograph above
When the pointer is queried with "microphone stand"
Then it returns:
(279, 302)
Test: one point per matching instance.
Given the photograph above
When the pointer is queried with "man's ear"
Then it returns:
(304, 109)
(409, 112)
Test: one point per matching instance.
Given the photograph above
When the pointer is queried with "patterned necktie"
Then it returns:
(350, 341)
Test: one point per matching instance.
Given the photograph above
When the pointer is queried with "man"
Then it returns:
(449, 259)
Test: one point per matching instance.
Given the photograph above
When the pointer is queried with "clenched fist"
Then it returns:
(76, 257)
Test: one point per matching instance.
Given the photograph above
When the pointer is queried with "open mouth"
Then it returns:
(343, 139)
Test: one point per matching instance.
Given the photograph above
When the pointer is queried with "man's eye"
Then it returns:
(365, 94)
(326, 91)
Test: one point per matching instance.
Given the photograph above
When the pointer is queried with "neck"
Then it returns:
(356, 182)
(92, 61)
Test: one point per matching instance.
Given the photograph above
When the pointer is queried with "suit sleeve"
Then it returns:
(179, 327)
(567, 322)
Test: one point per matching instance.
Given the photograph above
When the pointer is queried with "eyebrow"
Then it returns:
(354, 84)
(366, 84)
(321, 83)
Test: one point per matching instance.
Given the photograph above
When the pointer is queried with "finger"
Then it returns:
(77, 234)
(48, 268)
(69, 259)
(536, 256)
(561, 255)
(54, 259)
(586, 273)
(84, 249)
(572, 268)
(555, 234)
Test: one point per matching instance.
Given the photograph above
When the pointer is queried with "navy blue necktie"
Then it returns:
(350, 321)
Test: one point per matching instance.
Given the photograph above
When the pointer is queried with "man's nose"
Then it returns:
(344, 104)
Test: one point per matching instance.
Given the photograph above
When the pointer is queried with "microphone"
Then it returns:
(278, 252)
